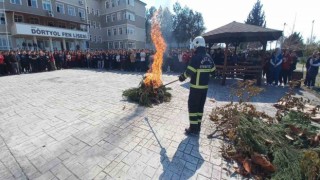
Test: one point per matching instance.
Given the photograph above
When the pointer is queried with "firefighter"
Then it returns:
(199, 70)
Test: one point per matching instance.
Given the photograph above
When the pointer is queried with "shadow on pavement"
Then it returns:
(182, 164)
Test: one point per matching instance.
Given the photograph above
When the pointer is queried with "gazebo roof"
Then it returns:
(239, 32)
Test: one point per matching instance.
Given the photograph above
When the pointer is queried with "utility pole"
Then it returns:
(311, 37)
(282, 37)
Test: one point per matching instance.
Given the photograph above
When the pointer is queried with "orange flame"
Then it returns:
(153, 76)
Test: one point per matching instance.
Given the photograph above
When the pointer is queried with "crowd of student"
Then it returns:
(278, 65)
(17, 62)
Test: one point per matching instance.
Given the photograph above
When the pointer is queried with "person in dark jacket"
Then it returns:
(14, 63)
(307, 80)
(34, 62)
(275, 66)
(25, 64)
(199, 70)
(313, 69)
(43, 60)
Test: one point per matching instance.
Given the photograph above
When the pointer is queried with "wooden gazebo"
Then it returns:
(236, 33)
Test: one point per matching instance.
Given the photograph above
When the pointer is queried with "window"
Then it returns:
(98, 13)
(72, 26)
(120, 31)
(46, 5)
(118, 2)
(112, 3)
(131, 45)
(119, 16)
(121, 45)
(109, 32)
(100, 39)
(98, 25)
(71, 11)
(95, 38)
(3, 43)
(92, 11)
(2, 18)
(62, 25)
(32, 3)
(89, 24)
(34, 20)
(108, 18)
(60, 8)
(82, 13)
(113, 17)
(107, 4)
(110, 45)
(114, 32)
(116, 45)
(83, 27)
(50, 23)
(129, 16)
(93, 24)
(130, 31)
(90, 37)
(16, 2)
(18, 18)
(130, 2)
(88, 11)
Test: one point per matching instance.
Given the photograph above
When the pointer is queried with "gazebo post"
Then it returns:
(225, 64)
(264, 45)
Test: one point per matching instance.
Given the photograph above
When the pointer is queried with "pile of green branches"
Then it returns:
(147, 95)
(284, 147)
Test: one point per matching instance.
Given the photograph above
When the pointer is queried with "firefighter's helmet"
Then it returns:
(199, 42)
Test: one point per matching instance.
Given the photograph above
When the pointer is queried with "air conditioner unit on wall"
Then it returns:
(50, 13)
(81, 2)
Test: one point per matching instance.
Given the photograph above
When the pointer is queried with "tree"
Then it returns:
(256, 15)
(187, 24)
(294, 41)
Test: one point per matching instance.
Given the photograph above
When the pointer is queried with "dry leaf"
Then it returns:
(124, 107)
(263, 162)
(268, 141)
(294, 129)
(247, 165)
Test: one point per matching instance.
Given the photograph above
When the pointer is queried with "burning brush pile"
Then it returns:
(151, 89)
(264, 147)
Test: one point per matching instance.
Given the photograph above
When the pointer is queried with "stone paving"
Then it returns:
(74, 124)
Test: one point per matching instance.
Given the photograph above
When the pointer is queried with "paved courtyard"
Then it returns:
(74, 124)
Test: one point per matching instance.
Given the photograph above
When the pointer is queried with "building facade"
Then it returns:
(71, 24)
(116, 24)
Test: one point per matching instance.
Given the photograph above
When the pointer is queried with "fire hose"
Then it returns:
(171, 82)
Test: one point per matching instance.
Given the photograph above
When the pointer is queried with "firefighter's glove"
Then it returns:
(182, 78)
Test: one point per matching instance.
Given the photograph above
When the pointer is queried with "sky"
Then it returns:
(297, 15)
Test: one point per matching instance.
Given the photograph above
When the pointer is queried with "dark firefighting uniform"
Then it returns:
(199, 70)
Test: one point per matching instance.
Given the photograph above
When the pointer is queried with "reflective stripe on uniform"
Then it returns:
(193, 122)
(204, 70)
(192, 69)
(185, 75)
(213, 69)
(198, 77)
(200, 114)
(198, 86)
(193, 114)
